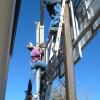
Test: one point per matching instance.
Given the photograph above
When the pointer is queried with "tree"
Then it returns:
(58, 92)
(84, 93)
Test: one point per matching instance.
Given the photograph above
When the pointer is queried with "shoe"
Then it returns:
(54, 29)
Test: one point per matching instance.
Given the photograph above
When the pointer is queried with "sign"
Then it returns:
(85, 11)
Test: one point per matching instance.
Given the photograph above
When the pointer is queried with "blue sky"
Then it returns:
(87, 70)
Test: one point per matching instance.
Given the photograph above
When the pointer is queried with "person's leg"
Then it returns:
(39, 64)
(33, 65)
(50, 11)
(42, 64)
(55, 22)
(56, 18)
(54, 12)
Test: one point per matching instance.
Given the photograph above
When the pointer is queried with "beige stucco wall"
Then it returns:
(6, 23)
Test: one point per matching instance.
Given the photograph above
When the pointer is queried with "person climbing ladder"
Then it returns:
(36, 57)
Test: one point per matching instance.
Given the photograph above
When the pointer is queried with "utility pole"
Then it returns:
(68, 58)
(39, 40)
(41, 12)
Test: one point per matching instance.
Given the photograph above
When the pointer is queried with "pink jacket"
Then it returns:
(36, 54)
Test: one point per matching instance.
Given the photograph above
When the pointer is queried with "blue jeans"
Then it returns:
(54, 12)
(39, 64)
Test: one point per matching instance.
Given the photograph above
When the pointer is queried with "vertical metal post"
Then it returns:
(37, 33)
(73, 19)
(68, 59)
(38, 72)
(41, 33)
(75, 27)
(39, 40)
(38, 77)
(79, 44)
(46, 56)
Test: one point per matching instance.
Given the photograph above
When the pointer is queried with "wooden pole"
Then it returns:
(68, 59)
(41, 12)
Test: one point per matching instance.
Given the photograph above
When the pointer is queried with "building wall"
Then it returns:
(6, 23)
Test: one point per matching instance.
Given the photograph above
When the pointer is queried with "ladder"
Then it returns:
(53, 55)
(48, 76)
(58, 37)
